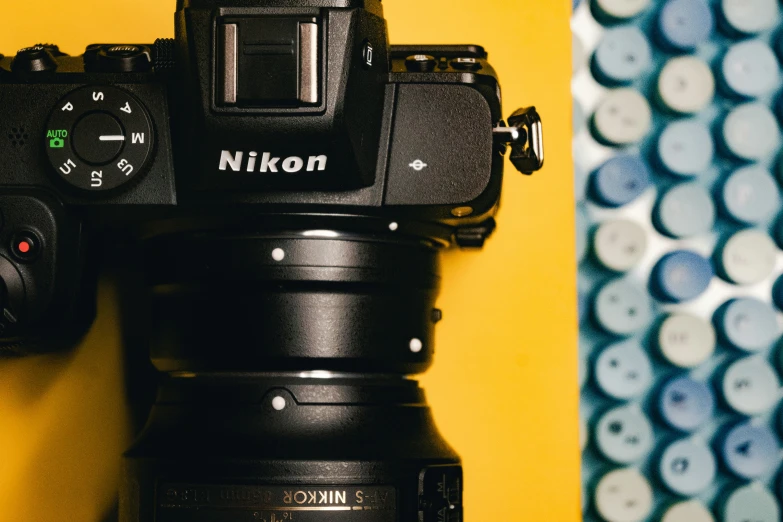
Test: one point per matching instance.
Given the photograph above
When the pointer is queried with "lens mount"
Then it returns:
(292, 301)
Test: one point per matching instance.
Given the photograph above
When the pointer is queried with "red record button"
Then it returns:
(25, 246)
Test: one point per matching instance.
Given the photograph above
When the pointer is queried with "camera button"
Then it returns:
(35, 59)
(98, 138)
(124, 58)
(25, 246)
(466, 64)
(421, 63)
(368, 54)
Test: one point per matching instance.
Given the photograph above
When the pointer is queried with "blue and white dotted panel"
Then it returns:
(677, 140)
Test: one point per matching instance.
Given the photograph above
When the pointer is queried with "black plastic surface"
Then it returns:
(441, 151)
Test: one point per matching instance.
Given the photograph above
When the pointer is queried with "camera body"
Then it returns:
(289, 179)
(337, 123)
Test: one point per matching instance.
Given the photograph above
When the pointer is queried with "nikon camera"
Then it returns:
(288, 180)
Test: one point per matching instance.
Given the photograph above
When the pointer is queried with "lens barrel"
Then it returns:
(266, 447)
(283, 354)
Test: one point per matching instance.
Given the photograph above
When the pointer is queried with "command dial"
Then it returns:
(99, 138)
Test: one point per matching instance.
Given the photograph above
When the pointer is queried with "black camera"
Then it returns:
(288, 179)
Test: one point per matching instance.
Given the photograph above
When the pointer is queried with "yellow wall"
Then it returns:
(504, 382)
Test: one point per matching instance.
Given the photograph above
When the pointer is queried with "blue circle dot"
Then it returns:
(750, 69)
(623, 371)
(684, 24)
(686, 147)
(750, 450)
(686, 404)
(622, 307)
(748, 324)
(620, 180)
(622, 55)
(681, 276)
(685, 210)
(750, 195)
(624, 434)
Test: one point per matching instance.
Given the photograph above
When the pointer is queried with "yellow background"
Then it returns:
(503, 386)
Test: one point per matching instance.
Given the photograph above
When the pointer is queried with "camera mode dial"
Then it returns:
(98, 138)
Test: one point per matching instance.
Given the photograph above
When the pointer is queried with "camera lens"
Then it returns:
(285, 394)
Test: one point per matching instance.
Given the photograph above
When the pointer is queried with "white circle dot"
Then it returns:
(393, 226)
(278, 254)
(686, 84)
(278, 403)
(624, 495)
(749, 257)
(623, 117)
(686, 341)
(416, 345)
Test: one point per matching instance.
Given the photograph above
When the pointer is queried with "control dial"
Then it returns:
(99, 138)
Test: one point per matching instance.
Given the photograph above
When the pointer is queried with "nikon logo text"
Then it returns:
(251, 162)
